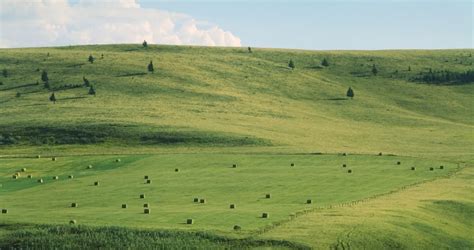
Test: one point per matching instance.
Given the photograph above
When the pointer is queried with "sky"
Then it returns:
(299, 24)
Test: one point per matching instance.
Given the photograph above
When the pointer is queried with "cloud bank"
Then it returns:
(32, 23)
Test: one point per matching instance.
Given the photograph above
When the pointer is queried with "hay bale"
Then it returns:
(72, 222)
(30, 176)
(176, 169)
(4, 211)
(398, 163)
(142, 196)
(203, 201)
(344, 165)
(145, 177)
(124, 205)
(441, 167)
(71, 176)
(53, 159)
(146, 205)
(89, 167)
(292, 164)
(118, 160)
(431, 169)
(55, 177)
(196, 200)
(265, 215)
(232, 206)
(309, 201)
(74, 204)
(23, 170)
(40, 181)
(349, 171)
(148, 181)
(237, 227)
(189, 221)
(96, 183)
(147, 211)
(413, 168)
(234, 165)
(268, 196)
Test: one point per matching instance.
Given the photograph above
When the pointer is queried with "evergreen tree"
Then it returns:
(150, 67)
(374, 70)
(18, 94)
(52, 98)
(86, 82)
(249, 49)
(325, 62)
(46, 85)
(145, 44)
(91, 90)
(91, 59)
(101, 56)
(291, 64)
(5, 73)
(350, 93)
(409, 68)
(44, 76)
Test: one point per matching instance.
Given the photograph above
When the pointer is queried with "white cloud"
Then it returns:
(30, 23)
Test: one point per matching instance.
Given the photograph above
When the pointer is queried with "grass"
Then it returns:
(205, 110)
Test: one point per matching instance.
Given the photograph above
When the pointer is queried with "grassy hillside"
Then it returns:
(203, 110)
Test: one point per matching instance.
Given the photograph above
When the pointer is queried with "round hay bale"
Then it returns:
(53, 159)
(148, 181)
(55, 177)
(234, 165)
(398, 163)
(176, 169)
(96, 183)
(4, 211)
(309, 201)
(268, 196)
(349, 171)
(118, 160)
(292, 164)
(203, 201)
(40, 181)
(124, 205)
(89, 167)
(237, 227)
(145, 177)
(441, 167)
(146, 205)
(232, 206)
(23, 170)
(189, 221)
(196, 199)
(344, 165)
(413, 168)
(30, 176)
(74, 204)
(72, 222)
(142, 196)
(71, 176)
(265, 215)
(431, 169)
(147, 211)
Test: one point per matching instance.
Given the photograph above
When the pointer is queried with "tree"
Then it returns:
(101, 56)
(91, 90)
(325, 62)
(44, 76)
(145, 44)
(250, 49)
(5, 73)
(91, 59)
(150, 67)
(409, 68)
(291, 64)
(86, 82)
(52, 98)
(350, 93)
(374, 70)
(18, 94)
(46, 85)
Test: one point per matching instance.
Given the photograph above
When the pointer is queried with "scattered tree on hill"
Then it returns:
(46, 85)
(350, 93)
(101, 56)
(150, 67)
(47, 54)
(91, 59)
(145, 44)
(470, 54)
(325, 62)
(5, 73)
(18, 94)
(86, 82)
(374, 70)
(291, 64)
(45, 79)
(249, 49)
(409, 68)
(92, 90)
(52, 98)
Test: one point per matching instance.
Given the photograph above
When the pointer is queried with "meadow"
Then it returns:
(201, 111)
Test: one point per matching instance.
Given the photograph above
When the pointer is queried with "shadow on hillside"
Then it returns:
(72, 98)
(131, 74)
(336, 99)
(20, 86)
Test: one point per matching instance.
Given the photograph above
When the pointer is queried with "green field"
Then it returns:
(205, 109)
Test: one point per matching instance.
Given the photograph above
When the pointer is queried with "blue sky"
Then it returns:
(320, 25)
